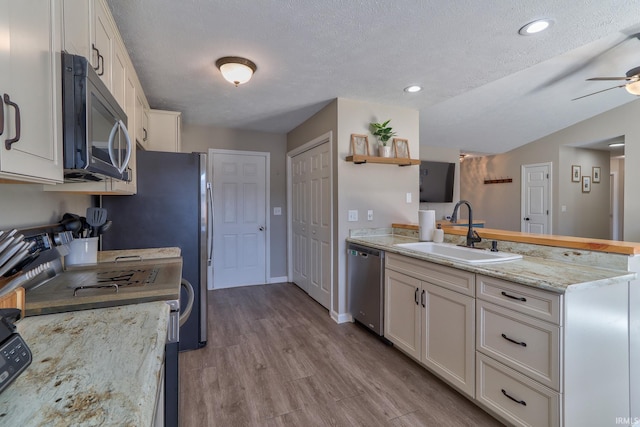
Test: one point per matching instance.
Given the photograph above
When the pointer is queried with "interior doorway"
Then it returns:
(536, 198)
(240, 185)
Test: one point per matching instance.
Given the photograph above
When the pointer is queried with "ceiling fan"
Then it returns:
(632, 83)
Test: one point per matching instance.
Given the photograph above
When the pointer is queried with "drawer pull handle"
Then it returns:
(522, 402)
(523, 299)
(415, 296)
(524, 344)
(422, 298)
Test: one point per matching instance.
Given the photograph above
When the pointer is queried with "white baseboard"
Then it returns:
(341, 318)
(281, 279)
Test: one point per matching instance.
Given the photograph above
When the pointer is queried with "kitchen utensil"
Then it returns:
(105, 227)
(18, 256)
(12, 248)
(96, 217)
(72, 224)
(84, 230)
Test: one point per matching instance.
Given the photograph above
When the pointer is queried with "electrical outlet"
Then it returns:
(408, 197)
(353, 216)
(277, 211)
(370, 215)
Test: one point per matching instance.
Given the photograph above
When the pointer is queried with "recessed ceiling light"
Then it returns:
(413, 89)
(535, 27)
(616, 144)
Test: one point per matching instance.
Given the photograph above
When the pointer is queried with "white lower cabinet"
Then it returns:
(529, 356)
(432, 324)
(515, 397)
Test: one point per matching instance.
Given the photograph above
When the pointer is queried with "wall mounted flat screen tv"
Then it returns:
(436, 181)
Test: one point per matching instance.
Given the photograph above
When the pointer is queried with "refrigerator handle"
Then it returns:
(210, 237)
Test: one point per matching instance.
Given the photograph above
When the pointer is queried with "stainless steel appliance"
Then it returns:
(96, 140)
(170, 209)
(366, 286)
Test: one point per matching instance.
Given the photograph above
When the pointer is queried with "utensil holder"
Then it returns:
(82, 251)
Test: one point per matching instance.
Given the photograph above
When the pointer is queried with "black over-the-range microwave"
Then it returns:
(96, 141)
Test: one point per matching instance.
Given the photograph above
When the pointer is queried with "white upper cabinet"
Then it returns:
(165, 128)
(30, 132)
(103, 45)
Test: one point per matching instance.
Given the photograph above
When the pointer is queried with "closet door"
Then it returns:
(312, 222)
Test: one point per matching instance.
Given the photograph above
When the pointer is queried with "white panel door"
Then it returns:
(320, 225)
(239, 220)
(536, 198)
(311, 222)
(300, 220)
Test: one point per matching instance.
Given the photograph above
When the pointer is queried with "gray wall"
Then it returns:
(449, 155)
(499, 204)
(380, 187)
(26, 205)
(201, 138)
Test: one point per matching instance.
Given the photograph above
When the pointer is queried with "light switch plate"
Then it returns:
(408, 197)
(370, 215)
(353, 216)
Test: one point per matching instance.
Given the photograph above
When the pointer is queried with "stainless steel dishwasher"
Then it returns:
(366, 286)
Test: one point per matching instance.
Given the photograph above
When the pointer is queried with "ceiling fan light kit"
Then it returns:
(235, 69)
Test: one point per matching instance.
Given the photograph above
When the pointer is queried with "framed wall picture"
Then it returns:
(401, 148)
(359, 144)
(586, 184)
(596, 174)
(575, 173)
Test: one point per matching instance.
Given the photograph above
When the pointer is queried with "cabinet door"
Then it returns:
(164, 128)
(76, 17)
(402, 312)
(449, 337)
(103, 40)
(29, 76)
(118, 78)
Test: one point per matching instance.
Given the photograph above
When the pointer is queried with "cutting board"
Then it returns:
(14, 300)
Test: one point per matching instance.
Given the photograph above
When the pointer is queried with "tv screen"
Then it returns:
(436, 181)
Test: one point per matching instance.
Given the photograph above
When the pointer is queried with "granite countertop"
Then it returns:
(92, 368)
(140, 254)
(550, 275)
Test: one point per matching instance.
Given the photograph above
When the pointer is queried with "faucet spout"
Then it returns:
(472, 235)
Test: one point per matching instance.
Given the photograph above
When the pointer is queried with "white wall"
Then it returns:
(26, 205)
(200, 138)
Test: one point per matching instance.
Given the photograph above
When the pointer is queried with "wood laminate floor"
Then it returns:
(274, 357)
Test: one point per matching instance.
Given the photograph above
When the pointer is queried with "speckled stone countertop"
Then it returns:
(90, 368)
(551, 275)
(142, 254)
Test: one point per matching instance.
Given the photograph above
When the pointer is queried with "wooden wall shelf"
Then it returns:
(360, 159)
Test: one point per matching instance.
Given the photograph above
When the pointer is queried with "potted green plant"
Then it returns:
(383, 132)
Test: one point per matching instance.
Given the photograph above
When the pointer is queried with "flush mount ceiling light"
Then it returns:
(616, 144)
(236, 70)
(413, 89)
(535, 27)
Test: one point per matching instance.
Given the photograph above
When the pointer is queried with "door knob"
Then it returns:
(526, 219)
(261, 228)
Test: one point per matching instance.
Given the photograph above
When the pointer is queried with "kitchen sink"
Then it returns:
(459, 253)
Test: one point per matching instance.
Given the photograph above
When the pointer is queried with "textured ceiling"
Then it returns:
(486, 88)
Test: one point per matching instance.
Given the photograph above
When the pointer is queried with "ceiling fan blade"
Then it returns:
(610, 78)
(600, 91)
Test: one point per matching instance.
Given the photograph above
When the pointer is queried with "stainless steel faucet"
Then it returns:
(472, 236)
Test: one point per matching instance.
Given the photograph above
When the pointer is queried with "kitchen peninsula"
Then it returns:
(545, 340)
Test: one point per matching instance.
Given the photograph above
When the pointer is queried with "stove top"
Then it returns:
(106, 285)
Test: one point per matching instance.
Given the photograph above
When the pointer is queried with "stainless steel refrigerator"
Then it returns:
(170, 208)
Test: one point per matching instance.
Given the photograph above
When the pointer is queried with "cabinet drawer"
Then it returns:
(521, 342)
(447, 277)
(514, 397)
(525, 299)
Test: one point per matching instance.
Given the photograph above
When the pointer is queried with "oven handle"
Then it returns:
(184, 283)
(119, 125)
